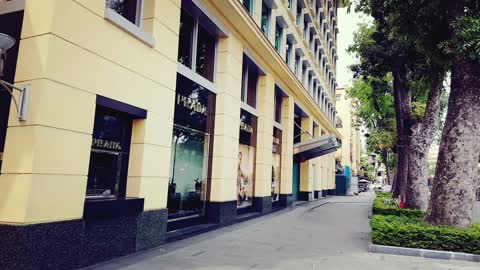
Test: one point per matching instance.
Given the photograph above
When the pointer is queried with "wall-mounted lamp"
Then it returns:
(7, 42)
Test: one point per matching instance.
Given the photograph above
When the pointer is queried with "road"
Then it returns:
(331, 233)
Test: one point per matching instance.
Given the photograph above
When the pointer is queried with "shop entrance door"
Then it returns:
(296, 180)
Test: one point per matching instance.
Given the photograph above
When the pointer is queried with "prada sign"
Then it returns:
(246, 127)
(191, 104)
(106, 144)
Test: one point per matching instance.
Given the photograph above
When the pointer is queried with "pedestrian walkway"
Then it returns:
(328, 234)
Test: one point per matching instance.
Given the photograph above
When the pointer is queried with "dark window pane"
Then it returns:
(185, 39)
(248, 5)
(109, 154)
(244, 80)
(205, 53)
(278, 37)
(278, 106)
(126, 8)
(265, 18)
(252, 87)
(288, 52)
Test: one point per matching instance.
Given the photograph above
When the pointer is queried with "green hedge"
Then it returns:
(413, 232)
(384, 205)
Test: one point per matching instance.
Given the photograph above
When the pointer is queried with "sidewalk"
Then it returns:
(331, 233)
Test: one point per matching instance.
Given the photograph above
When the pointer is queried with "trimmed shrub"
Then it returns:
(384, 204)
(414, 232)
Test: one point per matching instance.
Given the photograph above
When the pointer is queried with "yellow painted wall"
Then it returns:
(70, 53)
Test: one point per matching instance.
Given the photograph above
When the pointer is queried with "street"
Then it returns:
(331, 233)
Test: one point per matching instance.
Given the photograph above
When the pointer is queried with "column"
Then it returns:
(262, 201)
(286, 198)
(222, 200)
(306, 180)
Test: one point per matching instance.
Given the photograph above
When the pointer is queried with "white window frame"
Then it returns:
(133, 29)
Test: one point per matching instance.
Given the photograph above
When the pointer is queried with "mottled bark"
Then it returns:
(422, 135)
(453, 192)
(402, 110)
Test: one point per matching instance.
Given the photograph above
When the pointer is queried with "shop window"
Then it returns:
(129, 9)
(107, 174)
(246, 159)
(193, 118)
(265, 23)
(276, 163)
(197, 46)
(249, 82)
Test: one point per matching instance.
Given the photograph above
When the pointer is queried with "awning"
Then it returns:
(317, 147)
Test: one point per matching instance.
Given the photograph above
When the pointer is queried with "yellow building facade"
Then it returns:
(148, 116)
(349, 154)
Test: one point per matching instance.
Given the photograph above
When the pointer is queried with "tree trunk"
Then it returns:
(423, 133)
(402, 110)
(385, 162)
(453, 192)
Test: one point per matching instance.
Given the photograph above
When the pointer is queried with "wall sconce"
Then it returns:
(7, 42)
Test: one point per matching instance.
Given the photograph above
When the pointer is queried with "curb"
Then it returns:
(425, 253)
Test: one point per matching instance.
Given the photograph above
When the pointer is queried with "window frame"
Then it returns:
(269, 17)
(138, 12)
(191, 72)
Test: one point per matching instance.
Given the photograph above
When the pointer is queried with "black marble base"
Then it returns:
(108, 238)
(152, 229)
(317, 194)
(221, 212)
(285, 200)
(54, 245)
(305, 196)
(332, 192)
(324, 192)
(262, 204)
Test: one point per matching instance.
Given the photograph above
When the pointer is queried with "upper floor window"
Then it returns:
(196, 48)
(278, 37)
(250, 74)
(297, 64)
(278, 105)
(266, 12)
(129, 9)
(288, 52)
(299, 14)
(289, 4)
(248, 4)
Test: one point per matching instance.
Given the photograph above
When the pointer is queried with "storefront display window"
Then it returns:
(246, 159)
(276, 162)
(109, 154)
(194, 112)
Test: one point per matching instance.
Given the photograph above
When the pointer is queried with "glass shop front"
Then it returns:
(276, 163)
(192, 138)
(246, 159)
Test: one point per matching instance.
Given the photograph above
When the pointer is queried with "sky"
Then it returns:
(347, 25)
